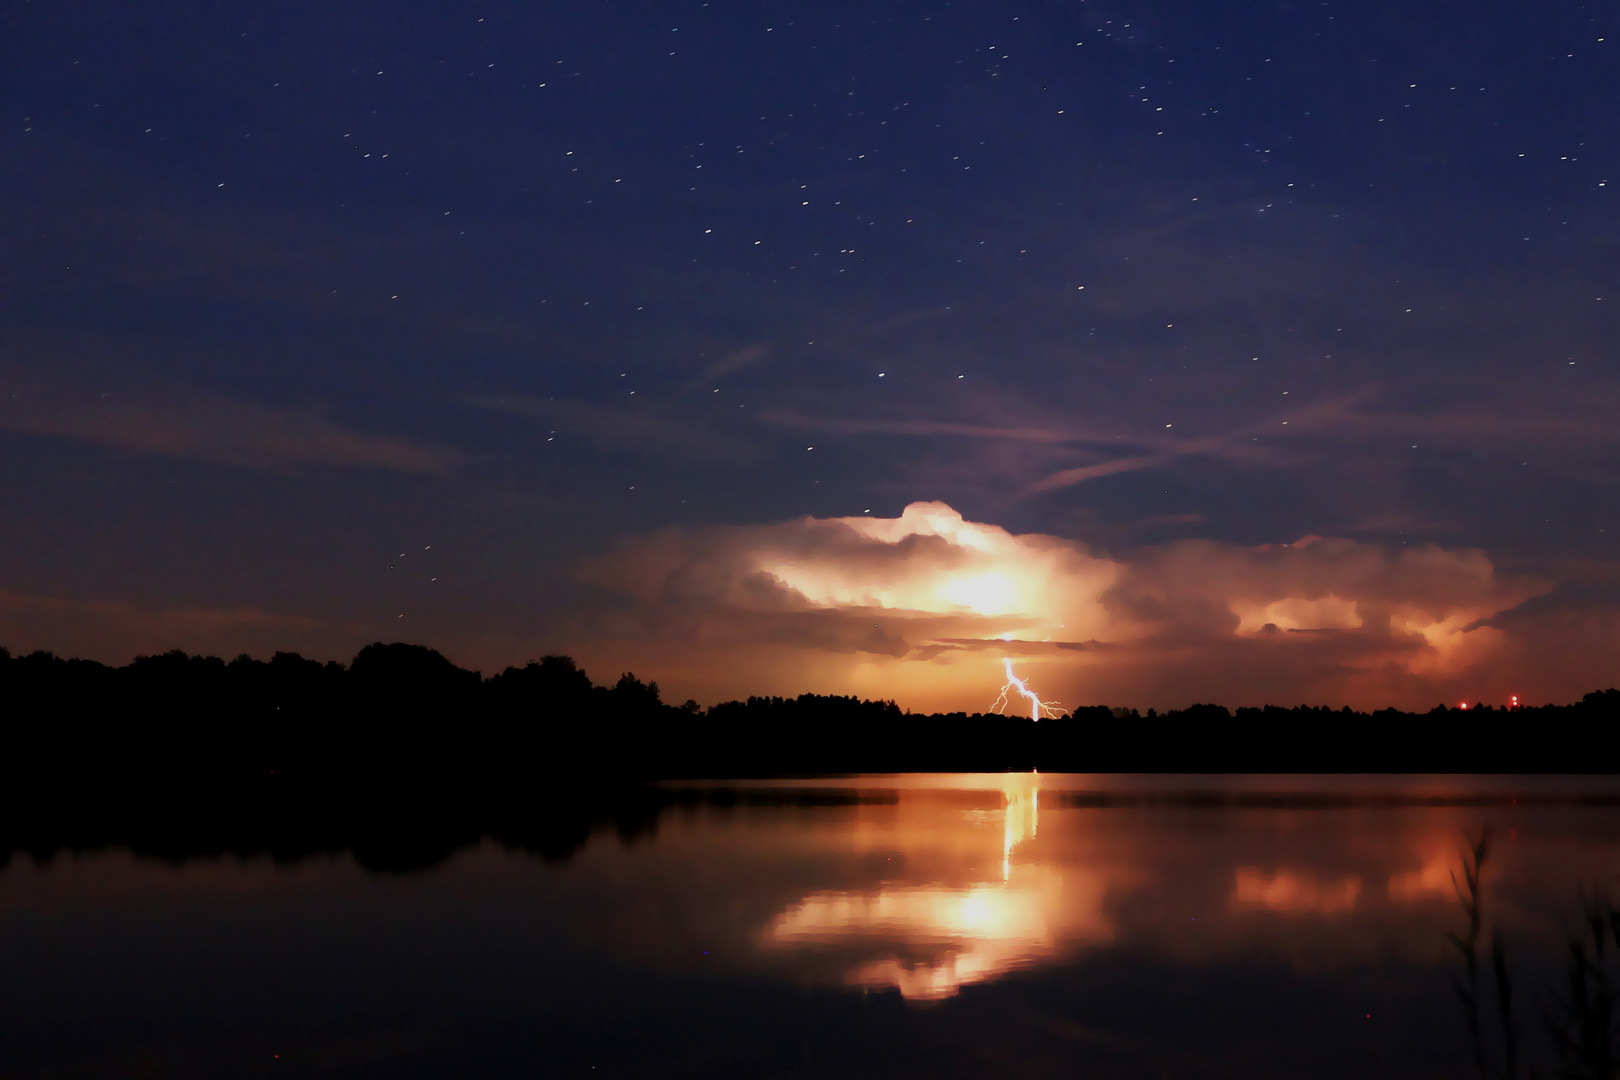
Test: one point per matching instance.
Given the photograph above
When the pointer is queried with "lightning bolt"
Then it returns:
(1017, 687)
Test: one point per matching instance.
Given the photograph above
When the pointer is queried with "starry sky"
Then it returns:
(514, 328)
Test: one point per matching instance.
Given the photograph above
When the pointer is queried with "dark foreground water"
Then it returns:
(983, 926)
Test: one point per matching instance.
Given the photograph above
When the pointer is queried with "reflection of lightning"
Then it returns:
(1021, 820)
(1015, 685)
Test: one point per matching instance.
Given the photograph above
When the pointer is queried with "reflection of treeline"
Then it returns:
(404, 714)
(402, 757)
(386, 827)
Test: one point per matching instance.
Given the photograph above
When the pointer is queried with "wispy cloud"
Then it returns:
(1359, 421)
(895, 426)
(1069, 477)
(191, 423)
(652, 426)
(115, 630)
(1119, 451)
(731, 363)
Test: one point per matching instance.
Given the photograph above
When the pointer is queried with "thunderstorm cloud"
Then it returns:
(923, 607)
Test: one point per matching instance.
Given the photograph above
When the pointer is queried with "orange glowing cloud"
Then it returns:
(927, 564)
(924, 606)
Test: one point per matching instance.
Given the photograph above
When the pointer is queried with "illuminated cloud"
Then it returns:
(1426, 603)
(927, 566)
(923, 608)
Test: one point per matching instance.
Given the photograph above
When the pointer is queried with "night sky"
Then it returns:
(515, 328)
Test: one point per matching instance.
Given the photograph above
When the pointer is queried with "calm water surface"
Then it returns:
(1002, 925)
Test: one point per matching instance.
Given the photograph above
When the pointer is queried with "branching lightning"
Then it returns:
(1017, 687)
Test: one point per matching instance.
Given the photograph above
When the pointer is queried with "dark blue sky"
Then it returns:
(293, 289)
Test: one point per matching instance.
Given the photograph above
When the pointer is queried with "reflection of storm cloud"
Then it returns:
(1436, 879)
(951, 936)
(928, 601)
(930, 940)
(955, 896)
(1286, 890)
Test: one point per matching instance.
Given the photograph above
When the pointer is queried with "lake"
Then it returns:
(1004, 925)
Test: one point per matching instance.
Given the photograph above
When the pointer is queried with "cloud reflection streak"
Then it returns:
(973, 878)
(930, 940)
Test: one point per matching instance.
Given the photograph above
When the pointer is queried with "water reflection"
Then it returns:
(1436, 879)
(960, 926)
(1288, 890)
(929, 940)
(1021, 818)
(972, 892)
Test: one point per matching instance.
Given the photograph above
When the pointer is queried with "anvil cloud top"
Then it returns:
(1272, 343)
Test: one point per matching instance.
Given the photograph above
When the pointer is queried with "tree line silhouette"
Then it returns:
(404, 713)
(402, 756)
